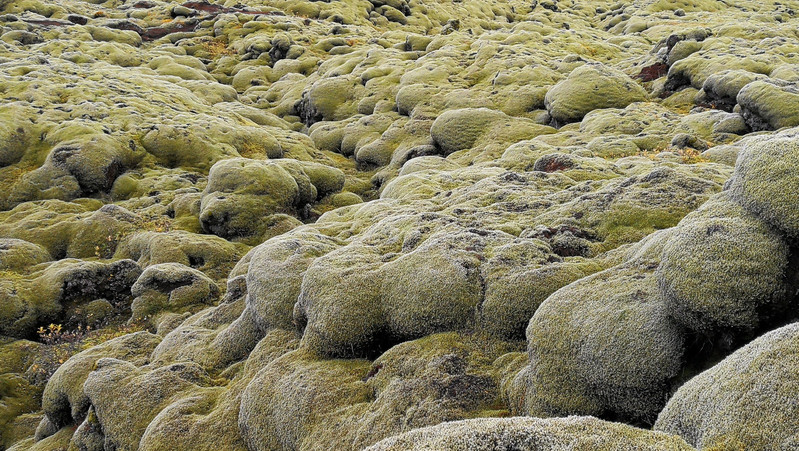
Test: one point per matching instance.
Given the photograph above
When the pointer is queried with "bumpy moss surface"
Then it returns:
(746, 401)
(764, 182)
(604, 345)
(532, 434)
(711, 244)
(338, 220)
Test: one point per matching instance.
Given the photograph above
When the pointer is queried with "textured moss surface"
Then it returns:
(317, 225)
(532, 434)
(744, 401)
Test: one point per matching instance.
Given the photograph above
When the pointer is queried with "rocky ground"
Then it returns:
(399, 224)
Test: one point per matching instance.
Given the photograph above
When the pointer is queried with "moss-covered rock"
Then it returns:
(276, 272)
(744, 402)
(51, 293)
(721, 89)
(719, 239)
(531, 434)
(767, 105)
(591, 87)
(64, 401)
(118, 389)
(171, 287)
(764, 182)
(19, 255)
(605, 346)
(276, 409)
(246, 199)
(210, 254)
(467, 128)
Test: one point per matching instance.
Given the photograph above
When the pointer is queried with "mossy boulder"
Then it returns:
(20, 255)
(171, 287)
(64, 401)
(245, 199)
(16, 133)
(517, 281)
(212, 255)
(99, 233)
(625, 210)
(764, 181)
(604, 345)
(331, 99)
(591, 87)
(467, 128)
(288, 400)
(19, 397)
(720, 239)
(53, 292)
(195, 146)
(95, 161)
(241, 192)
(744, 402)
(126, 398)
(276, 272)
(769, 105)
(459, 129)
(414, 384)
(721, 89)
(531, 434)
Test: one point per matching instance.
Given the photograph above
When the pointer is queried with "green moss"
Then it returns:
(126, 398)
(19, 255)
(170, 287)
(513, 293)
(742, 402)
(64, 400)
(588, 88)
(603, 345)
(719, 239)
(528, 433)
(19, 397)
(628, 224)
(768, 105)
(764, 182)
(210, 254)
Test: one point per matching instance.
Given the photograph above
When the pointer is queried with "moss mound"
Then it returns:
(745, 401)
(532, 434)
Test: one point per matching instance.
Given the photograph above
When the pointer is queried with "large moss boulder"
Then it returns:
(55, 291)
(765, 181)
(591, 87)
(245, 198)
(290, 398)
(463, 129)
(64, 401)
(173, 288)
(747, 401)
(126, 398)
(20, 255)
(276, 271)
(721, 89)
(769, 105)
(531, 434)
(603, 345)
(713, 243)
(212, 255)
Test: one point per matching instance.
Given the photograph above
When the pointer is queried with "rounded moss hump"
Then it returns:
(723, 271)
(603, 345)
(748, 401)
(766, 182)
(588, 88)
(531, 434)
